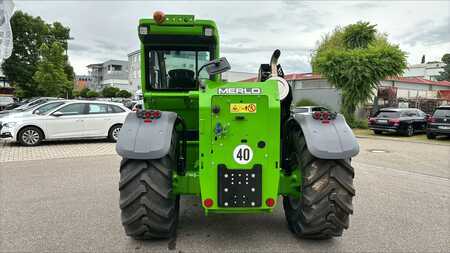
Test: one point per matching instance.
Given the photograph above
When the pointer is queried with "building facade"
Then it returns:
(134, 74)
(81, 82)
(112, 73)
(428, 71)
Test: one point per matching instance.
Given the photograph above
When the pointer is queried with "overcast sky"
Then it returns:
(249, 31)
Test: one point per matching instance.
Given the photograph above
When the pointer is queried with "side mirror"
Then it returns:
(36, 112)
(57, 114)
(217, 66)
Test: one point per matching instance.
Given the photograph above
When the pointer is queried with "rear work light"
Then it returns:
(325, 116)
(208, 31)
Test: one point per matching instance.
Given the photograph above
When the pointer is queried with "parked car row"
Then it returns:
(62, 119)
(408, 121)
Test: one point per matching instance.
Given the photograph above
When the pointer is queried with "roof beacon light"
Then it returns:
(159, 17)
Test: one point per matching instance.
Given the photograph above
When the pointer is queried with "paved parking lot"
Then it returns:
(63, 197)
(11, 151)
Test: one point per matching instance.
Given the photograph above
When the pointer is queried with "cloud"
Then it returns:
(249, 30)
(428, 33)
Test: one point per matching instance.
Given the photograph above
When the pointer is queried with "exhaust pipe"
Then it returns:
(274, 62)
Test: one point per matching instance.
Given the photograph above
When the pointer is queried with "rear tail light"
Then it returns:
(325, 116)
(148, 115)
(394, 122)
(372, 120)
(317, 115)
(208, 202)
(431, 120)
(270, 202)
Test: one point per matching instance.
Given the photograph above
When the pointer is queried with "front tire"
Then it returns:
(149, 208)
(325, 204)
(30, 136)
(377, 132)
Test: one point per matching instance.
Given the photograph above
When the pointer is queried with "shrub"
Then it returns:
(358, 123)
(306, 102)
(92, 94)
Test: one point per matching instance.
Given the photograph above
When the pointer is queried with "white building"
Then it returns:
(112, 73)
(134, 73)
(429, 71)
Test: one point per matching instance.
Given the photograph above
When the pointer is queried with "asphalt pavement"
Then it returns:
(71, 205)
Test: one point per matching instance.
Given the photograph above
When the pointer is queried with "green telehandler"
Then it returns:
(236, 145)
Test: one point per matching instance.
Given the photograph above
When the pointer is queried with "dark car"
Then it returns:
(439, 123)
(405, 121)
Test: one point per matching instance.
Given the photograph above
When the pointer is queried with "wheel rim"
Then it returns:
(30, 137)
(115, 133)
(410, 130)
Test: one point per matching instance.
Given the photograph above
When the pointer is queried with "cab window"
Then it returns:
(176, 69)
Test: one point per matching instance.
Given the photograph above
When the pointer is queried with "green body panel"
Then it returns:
(264, 125)
(194, 107)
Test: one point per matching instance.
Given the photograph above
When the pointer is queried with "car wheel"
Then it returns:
(114, 133)
(409, 131)
(377, 131)
(30, 136)
(431, 136)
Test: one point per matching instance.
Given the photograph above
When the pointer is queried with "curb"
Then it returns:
(401, 140)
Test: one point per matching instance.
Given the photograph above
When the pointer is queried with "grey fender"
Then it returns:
(334, 140)
(141, 140)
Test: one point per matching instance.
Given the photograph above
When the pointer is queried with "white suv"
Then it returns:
(73, 120)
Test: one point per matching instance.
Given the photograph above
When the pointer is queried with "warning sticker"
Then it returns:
(243, 108)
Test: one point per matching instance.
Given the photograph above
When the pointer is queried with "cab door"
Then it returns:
(66, 122)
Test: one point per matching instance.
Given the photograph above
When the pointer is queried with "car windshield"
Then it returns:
(442, 113)
(388, 114)
(176, 69)
(47, 107)
(300, 110)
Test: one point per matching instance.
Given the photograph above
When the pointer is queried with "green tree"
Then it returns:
(50, 77)
(445, 75)
(123, 94)
(84, 92)
(92, 94)
(110, 92)
(76, 93)
(29, 34)
(355, 59)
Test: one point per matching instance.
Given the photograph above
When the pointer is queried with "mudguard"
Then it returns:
(146, 140)
(333, 140)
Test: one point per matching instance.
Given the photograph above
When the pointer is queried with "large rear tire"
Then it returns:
(148, 207)
(325, 204)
